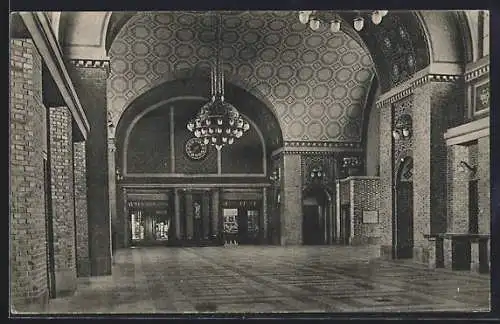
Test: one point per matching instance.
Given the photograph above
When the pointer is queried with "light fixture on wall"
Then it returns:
(119, 176)
(218, 122)
(464, 166)
(403, 127)
(351, 162)
(275, 176)
(317, 18)
(317, 173)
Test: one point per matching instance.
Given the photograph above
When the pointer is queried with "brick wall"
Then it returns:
(28, 262)
(81, 216)
(90, 84)
(386, 179)
(458, 190)
(63, 204)
(291, 200)
(484, 186)
(365, 198)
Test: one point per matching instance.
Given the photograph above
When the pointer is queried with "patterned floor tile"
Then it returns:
(256, 279)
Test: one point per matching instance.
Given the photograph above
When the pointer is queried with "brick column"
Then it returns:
(81, 216)
(215, 213)
(431, 116)
(386, 180)
(291, 200)
(189, 215)
(63, 207)
(90, 81)
(28, 259)
(458, 190)
(483, 174)
(431, 252)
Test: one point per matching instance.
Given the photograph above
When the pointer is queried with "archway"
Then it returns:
(316, 216)
(403, 211)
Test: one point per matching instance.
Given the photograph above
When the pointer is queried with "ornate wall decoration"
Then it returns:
(312, 163)
(398, 53)
(316, 82)
(402, 145)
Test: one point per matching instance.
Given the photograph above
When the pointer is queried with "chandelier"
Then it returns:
(218, 123)
(316, 18)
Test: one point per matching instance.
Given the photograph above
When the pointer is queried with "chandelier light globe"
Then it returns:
(383, 13)
(314, 24)
(376, 17)
(335, 26)
(304, 17)
(359, 23)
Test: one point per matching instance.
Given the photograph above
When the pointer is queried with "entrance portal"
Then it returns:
(316, 214)
(403, 215)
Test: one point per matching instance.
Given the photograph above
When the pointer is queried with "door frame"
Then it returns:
(327, 208)
(404, 164)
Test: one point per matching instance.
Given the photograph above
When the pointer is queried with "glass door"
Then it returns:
(150, 222)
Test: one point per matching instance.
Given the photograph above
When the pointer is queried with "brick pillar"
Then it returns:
(458, 190)
(386, 181)
(291, 200)
(448, 253)
(81, 216)
(431, 252)
(63, 204)
(90, 81)
(431, 113)
(215, 213)
(189, 215)
(28, 261)
(483, 174)
(474, 257)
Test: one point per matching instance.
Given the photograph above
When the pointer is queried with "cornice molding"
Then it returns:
(477, 72)
(325, 148)
(48, 47)
(407, 88)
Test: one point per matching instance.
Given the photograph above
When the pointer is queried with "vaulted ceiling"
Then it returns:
(316, 83)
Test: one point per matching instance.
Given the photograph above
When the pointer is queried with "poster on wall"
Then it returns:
(370, 217)
(230, 220)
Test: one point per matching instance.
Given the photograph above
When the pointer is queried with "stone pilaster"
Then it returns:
(177, 215)
(215, 213)
(90, 81)
(188, 211)
(291, 200)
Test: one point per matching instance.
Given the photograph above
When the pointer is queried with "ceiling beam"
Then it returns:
(46, 43)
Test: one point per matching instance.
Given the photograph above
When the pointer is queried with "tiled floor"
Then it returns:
(267, 279)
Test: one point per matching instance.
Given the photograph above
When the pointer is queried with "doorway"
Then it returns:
(150, 222)
(345, 224)
(315, 217)
(403, 212)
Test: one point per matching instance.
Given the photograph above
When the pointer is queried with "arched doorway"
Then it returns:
(316, 216)
(403, 211)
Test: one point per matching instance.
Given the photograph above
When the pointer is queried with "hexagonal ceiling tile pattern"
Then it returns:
(317, 82)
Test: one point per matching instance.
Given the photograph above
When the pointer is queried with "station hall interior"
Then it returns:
(249, 161)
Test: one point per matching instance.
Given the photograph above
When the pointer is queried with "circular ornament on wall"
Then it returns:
(195, 149)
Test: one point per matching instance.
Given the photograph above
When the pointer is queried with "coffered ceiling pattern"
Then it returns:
(317, 82)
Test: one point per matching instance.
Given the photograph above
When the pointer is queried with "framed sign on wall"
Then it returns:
(370, 217)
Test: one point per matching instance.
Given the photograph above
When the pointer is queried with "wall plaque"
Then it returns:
(370, 217)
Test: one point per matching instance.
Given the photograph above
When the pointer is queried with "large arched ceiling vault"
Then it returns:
(316, 82)
(404, 43)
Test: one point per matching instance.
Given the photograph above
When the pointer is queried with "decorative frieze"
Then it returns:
(90, 63)
(478, 72)
(320, 144)
(410, 87)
